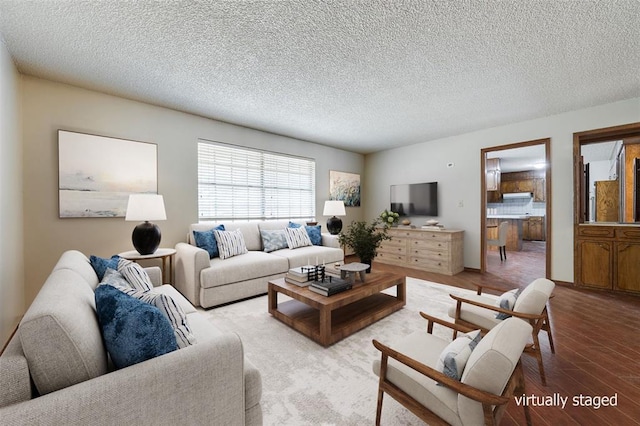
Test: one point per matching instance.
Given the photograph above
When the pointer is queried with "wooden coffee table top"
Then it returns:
(327, 319)
(376, 282)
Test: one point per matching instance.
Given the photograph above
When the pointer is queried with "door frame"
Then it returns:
(483, 203)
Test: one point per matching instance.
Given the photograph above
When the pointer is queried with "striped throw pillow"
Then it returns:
(297, 237)
(135, 275)
(165, 304)
(230, 243)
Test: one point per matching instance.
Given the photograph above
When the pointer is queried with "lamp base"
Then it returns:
(334, 225)
(146, 238)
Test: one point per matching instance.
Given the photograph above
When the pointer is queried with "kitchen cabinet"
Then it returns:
(539, 190)
(530, 181)
(492, 167)
(536, 228)
(608, 257)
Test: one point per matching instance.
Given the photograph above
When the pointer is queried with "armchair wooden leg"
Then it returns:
(546, 326)
(521, 390)
(535, 349)
(383, 374)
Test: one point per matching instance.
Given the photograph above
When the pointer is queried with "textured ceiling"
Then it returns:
(359, 75)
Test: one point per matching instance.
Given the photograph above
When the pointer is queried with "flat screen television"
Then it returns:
(415, 199)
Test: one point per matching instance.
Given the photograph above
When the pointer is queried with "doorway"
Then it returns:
(516, 189)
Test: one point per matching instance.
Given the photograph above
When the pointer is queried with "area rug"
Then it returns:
(306, 384)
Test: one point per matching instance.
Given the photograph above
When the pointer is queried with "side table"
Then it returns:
(161, 253)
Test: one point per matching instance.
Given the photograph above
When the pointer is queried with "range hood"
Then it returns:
(513, 195)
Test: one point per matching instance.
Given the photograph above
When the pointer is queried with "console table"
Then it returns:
(440, 251)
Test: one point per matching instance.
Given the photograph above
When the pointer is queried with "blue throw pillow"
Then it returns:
(133, 331)
(315, 235)
(101, 264)
(207, 241)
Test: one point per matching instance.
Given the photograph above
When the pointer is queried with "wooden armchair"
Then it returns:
(480, 311)
(493, 373)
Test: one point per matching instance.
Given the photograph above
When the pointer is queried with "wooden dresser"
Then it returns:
(427, 250)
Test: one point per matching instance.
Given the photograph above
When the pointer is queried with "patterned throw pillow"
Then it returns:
(315, 233)
(454, 357)
(297, 237)
(133, 331)
(206, 240)
(507, 301)
(174, 313)
(273, 240)
(101, 264)
(230, 243)
(135, 275)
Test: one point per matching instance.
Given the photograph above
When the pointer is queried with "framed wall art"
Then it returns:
(96, 174)
(346, 187)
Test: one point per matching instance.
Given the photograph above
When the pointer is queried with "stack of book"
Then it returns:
(330, 286)
(298, 276)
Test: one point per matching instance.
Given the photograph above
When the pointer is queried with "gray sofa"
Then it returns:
(55, 369)
(210, 282)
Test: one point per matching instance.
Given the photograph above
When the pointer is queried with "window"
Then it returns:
(237, 183)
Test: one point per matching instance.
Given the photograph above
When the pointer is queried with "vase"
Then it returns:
(367, 262)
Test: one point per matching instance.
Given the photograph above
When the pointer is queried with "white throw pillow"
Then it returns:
(507, 301)
(297, 237)
(135, 275)
(230, 243)
(454, 357)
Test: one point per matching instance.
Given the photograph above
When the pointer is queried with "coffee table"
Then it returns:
(327, 320)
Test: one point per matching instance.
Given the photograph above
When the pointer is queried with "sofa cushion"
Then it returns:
(273, 240)
(79, 263)
(100, 264)
(249, 231)
(206, 240)
(304, 255)
(251, 265)
(507, 300)
(297, 237)
(135, 275)
(230, 243)
(60, 334)
(134, 331)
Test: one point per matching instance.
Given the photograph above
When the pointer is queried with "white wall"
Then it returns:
(11, 221)
(459, 187)
(50, 106)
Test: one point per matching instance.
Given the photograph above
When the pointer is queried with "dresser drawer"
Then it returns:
(385, 257)
(431, 254)
(429, 245)
(398, 233)
(433, 265)
(431, 236)
(399, 250)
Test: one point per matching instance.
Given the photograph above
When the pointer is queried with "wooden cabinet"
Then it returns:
(536, 228)
(608, 257)
(607, 201)
(539, 190)
(492, 167)
(530, 181)
(427, 250)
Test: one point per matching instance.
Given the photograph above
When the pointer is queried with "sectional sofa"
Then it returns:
(55, 369)
(208, 282)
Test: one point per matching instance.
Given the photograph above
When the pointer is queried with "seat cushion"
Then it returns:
(310, 254)
(426, 348)
(481, 317)
(60, 334)
(253, 264)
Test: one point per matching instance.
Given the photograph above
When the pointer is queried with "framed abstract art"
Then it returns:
(96, 174)
(346, 187)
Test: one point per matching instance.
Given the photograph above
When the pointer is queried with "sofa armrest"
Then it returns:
(190, 261)
(155, 274)
(330, 240)
(200, 384)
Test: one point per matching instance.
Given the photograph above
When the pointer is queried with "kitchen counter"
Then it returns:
(513, 216)
(514, 231)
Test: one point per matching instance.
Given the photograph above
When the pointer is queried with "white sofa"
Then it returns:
(55, 370)
(210, 282)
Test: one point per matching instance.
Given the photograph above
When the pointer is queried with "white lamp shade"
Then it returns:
(334, 208)
(145, 207)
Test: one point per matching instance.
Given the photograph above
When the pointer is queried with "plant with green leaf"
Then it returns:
(389, 218)
(365, 238)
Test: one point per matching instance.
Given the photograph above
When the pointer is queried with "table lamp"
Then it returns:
(334, 208)
(145, 207)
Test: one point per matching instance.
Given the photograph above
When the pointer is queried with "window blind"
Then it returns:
(237, 183)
